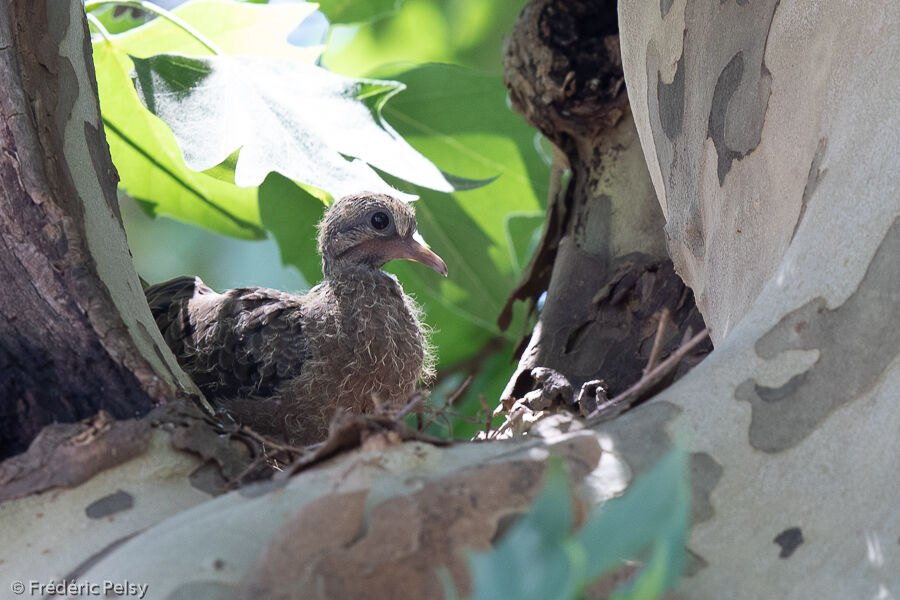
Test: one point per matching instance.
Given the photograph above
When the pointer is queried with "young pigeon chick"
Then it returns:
(283, 363)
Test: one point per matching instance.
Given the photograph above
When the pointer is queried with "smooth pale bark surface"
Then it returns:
(55, 535)
(772, 133)
(375, 523)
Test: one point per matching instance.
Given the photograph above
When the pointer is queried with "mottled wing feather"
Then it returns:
(168, 303)
(245, 342)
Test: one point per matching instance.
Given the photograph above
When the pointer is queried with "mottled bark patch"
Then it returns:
(789, 540)
(65, 351)
(705, 475)
(339, 547)
(671, 101)
(726, 86)
(816, 172)
(66, 455)
(855, 340)
(664, 7)
(109, 505)
(205, 590)
(106, 173)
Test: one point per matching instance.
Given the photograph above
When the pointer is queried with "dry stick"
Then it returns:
(412, 404)
(266, 442)
(489, 415)
(646, 381)
(453, 397)
(657, 341)
(443, 411)
(516, 416)
(236, 480)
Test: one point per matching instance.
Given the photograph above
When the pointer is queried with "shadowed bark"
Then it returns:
(75, 334)
(603, 259)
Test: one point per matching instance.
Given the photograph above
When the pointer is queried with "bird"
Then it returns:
(284, 363)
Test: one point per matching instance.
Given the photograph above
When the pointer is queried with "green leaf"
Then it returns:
(355, 11)
(656, 510)
(117, 21)
(150, 166)
(291, 213)
(534, 561)
(143, 148)
(464, 32)
(299, 120)
(540, 558)
(524, 232)
(235, 27)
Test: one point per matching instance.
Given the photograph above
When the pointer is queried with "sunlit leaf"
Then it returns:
(235, 27)
(150, 165)
(355, 11)
(116, 19)
(299, 120)
(464, 32)
(143, 148)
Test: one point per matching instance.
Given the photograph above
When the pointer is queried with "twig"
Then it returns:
(489, 415)
(622, 401)
(513, 418)
(459, 391)
(235, 482)
(270, 443)
(412, 404)
(415, 404)
(657, 341)
(160, 12)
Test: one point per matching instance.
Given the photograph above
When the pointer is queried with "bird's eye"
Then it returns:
(380, 220)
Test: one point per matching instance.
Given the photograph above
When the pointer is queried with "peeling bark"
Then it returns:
(770, 131)
(75, 332)
(602, 260)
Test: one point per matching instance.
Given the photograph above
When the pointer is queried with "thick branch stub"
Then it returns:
(603, 260)
(562, 66)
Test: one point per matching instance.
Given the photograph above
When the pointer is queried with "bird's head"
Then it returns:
(372, 229)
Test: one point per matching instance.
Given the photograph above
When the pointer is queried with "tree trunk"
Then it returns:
(791, 422)
(76, 335)
(602, 260)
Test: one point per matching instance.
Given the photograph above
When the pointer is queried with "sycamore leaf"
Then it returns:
(149, 163)
(143, 148)
(540, 558)
(354, 11)
(235, 27)
(298, 120)
(537, 558)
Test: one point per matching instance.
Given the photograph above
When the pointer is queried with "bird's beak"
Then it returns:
(413, 248)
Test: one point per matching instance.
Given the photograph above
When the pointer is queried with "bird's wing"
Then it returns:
(245, 342)
(169, 305)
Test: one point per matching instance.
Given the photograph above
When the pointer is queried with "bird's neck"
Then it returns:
(352, 283)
